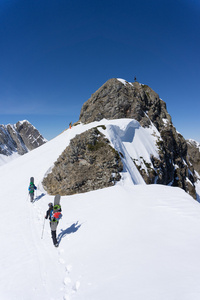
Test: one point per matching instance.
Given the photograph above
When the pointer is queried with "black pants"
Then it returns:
(54, 238)
(31, 196)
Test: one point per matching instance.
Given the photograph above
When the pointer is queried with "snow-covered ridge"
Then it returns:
(132, 141)
(125, 135)
(130, 241)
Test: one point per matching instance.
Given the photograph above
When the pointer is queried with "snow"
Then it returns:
(5, 159)
(24, 121)
(166, 122)
(194, 143)
(124, 81)
(130, 241)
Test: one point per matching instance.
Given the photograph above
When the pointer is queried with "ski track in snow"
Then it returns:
(68, 287)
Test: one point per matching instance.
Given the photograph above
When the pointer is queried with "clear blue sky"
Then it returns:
(54, 54)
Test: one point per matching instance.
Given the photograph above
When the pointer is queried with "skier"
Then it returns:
(54, 214)
(32, 189)
(49, 211)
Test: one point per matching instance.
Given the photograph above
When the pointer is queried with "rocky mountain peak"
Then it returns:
(118, 99)
(89, 162)
(19, 138)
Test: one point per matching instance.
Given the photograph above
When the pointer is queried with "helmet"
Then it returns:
(50, 204)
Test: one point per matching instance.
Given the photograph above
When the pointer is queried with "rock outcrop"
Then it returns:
(19, 138)
(120, 99)
(116, 100)
(193, 154)
(88, 163)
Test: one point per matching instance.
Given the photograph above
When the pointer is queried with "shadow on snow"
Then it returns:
(72, 229)
(38, 197)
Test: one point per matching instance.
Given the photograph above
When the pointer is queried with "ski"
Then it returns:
(32, 180)
(57, 200)
(31, 189)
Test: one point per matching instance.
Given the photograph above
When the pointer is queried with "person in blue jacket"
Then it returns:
(51, 214)
(32, 189)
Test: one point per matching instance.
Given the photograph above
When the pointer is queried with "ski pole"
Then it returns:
(43, 229)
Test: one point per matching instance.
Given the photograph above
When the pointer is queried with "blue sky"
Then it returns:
(54, 54)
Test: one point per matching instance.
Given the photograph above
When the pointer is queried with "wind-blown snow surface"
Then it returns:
(4, 159)
(130, 241)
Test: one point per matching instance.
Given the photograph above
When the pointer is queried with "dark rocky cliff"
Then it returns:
(116, 100)
(88, 163)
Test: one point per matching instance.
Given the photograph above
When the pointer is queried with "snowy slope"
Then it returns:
(5, 159)
(130, 241)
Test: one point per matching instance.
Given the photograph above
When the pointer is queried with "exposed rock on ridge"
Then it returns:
(119, 99)
(116, 100)
(88, 163)
(194, 154)
(19, 138)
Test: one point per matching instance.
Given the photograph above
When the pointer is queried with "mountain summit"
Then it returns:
(169, 162)
(118, 99)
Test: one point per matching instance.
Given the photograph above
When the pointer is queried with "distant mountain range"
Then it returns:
(19, 138)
